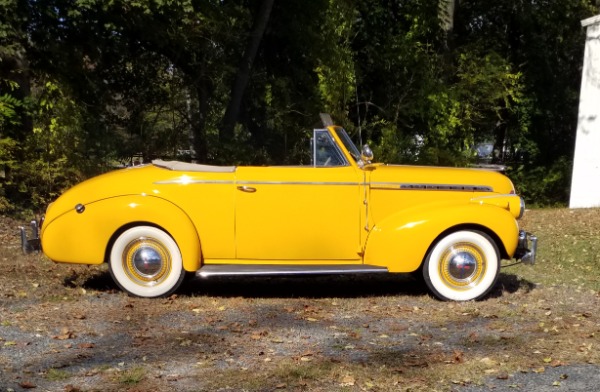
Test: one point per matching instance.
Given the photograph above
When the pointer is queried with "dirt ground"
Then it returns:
(68, 328)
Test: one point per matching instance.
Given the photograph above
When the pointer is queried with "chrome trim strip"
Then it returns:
(180, 181)
(186, 181)
(431, 187)
(297, 183)
(270, 269)
(374, 185)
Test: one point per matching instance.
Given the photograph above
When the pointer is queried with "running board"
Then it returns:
(274, 270)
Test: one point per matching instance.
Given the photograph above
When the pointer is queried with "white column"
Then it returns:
(585, 185)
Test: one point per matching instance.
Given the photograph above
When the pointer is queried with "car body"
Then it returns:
(341, 214)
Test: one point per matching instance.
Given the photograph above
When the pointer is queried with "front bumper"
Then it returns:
(526, 248)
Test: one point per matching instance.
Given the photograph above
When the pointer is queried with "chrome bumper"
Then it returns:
(32, 244)
(526, 248)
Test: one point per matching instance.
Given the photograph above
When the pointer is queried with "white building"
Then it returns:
(585, 186)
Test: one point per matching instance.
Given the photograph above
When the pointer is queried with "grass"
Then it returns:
(57, 374)
(381, 334)
(569, 247)
(133, 375)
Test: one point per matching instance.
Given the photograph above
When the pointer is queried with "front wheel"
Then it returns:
(146, 262)
(462, 266)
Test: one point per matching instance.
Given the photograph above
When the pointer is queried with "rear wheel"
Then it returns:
(462, 266)
(146, 262)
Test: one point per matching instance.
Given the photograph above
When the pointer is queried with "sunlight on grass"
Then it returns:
(568, 248)
(132, 376)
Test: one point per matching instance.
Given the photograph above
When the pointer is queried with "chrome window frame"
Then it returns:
(335, 146)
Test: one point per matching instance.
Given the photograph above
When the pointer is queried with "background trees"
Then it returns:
(90, 84)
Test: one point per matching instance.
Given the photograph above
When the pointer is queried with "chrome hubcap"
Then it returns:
(462, 266)
(146, 261)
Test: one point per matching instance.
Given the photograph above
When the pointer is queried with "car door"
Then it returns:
(302, 214)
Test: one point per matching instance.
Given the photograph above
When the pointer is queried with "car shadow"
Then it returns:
(315, 286)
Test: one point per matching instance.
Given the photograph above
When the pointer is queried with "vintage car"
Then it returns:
(340, 215)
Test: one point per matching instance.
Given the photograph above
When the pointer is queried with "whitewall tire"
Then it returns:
(462, 266)
(146, 262)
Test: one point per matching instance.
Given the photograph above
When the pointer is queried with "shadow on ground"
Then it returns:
(344, 286)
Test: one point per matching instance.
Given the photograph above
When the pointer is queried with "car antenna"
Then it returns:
(358, 115)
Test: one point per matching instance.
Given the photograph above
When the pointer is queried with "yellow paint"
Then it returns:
(381, 215)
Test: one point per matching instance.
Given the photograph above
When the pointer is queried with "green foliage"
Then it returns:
(88, 84)
(8, 110)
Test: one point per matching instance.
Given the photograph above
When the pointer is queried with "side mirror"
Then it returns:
(366, 155)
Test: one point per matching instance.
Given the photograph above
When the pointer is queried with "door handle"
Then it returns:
(248, 189)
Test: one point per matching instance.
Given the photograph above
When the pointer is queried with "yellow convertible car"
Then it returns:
(340, 215)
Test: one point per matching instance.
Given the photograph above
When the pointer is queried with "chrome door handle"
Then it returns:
(248, 189)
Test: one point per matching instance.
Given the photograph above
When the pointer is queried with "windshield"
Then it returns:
(341, 133)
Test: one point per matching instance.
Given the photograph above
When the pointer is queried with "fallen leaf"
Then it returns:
(473, 337)
(348, 381)
(65, 333)
(458, 356)
(27, 385)
(86, 345)
(281, 386)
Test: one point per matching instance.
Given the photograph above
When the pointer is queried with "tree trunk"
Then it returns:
(200, 96)
(448, 8)
(243, 74)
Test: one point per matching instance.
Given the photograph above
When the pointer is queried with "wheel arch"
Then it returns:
(187, 264)
(105, 219)
(471, 227)
(402, 241)
(168, 217)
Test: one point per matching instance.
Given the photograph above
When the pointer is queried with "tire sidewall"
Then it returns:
(432, 265)
(117, 271)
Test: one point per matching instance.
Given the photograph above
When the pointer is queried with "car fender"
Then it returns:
(401, 241)
(85, 237)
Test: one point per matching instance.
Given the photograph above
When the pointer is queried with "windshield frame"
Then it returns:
(348, 144)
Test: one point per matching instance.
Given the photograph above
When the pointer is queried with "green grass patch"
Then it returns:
(57, 375)
(132, 376)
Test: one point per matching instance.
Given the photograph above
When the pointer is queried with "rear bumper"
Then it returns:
(32, 244)
(526, 248)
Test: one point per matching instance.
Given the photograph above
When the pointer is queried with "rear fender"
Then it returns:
(86, 237)
(401, 241)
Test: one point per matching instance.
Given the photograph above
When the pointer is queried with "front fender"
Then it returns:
(401, 241)
(84, 237)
